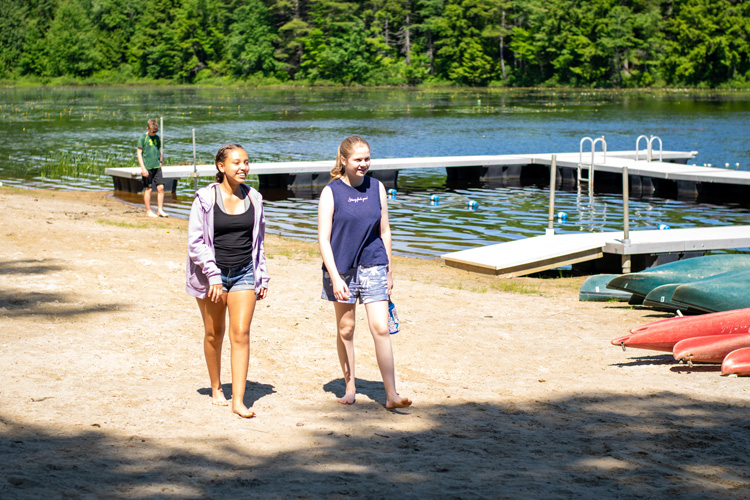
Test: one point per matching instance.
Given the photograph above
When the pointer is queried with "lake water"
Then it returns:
(308, 124)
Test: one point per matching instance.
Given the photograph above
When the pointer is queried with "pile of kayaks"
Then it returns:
(721, 337)
(697, 285)
(713, 290)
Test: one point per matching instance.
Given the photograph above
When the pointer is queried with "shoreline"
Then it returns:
(517, 391)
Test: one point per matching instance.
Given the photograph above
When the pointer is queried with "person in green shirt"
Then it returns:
(149, 158)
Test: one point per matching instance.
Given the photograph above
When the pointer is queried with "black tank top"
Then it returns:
(233, 235)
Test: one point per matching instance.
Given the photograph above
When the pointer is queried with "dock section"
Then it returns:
(316, 173)
(540, 253)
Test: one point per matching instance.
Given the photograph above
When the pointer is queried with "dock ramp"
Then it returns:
(530, 255)
(540, 253)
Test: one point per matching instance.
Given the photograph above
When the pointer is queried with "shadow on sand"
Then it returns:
(36, 303)
(660, 445)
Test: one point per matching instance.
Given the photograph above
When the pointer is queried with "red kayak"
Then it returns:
(664, 334)
(711, 349)
(737, 363)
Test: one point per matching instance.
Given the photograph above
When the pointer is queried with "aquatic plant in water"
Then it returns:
(80, 164)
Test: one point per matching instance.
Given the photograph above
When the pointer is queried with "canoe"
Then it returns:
(681, 271)
(723, 292)
(737, 363)
(594, 289)
(661, 298)
(662, 335)
(710, 349)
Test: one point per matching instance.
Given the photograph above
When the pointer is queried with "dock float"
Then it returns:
(541, 253)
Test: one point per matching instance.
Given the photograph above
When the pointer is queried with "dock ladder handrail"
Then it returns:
(649, 147)
(590, 178)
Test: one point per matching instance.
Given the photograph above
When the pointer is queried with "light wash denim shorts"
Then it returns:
(238, 278)
(368, 283)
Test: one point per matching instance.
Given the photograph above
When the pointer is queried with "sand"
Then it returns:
(517, 391)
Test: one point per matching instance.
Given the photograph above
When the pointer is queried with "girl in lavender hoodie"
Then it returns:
(226, 268)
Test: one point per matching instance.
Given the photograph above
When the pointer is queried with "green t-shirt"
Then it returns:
(150, 146)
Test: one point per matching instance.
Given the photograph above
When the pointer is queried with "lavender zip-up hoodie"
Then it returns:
(201, 270)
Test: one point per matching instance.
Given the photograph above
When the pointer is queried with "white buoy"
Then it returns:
(392, 192)
(663, 227)
(435, 198)
(562, 216)
(472, 204)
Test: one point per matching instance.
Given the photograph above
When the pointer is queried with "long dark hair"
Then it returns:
(221, 155)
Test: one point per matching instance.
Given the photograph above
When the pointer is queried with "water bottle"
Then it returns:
(393, 326)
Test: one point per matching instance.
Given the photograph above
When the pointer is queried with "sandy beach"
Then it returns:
(517, 391)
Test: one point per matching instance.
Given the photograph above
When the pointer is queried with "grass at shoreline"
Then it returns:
(274, 84)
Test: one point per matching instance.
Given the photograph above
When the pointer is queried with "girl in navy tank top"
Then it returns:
(355, 243)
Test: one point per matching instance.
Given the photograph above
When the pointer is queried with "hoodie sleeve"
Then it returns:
(200, 250)
(259, 244)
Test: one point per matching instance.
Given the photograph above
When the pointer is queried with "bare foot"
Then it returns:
(162, 213)
(349, 398)
(398, 403)
(150, 213)
(243, 412)
(218, 399)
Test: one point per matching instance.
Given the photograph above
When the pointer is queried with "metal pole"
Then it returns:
(552, 184)
(626, 264)
(195, 166)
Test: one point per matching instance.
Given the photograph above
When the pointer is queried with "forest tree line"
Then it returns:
(602, 43)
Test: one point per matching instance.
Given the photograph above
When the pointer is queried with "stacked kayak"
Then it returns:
(712, 349)
(737, 363)
(720, 337)
(679, 272)
(723, 292)
(662, 335)
(594, 289)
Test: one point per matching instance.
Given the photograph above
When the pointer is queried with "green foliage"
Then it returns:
(605, 43)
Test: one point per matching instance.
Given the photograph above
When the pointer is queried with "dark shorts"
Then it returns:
(368, 283)
(155, 178)
(238, 278)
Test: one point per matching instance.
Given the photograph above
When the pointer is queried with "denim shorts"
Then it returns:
(237, 278)
(368, 283)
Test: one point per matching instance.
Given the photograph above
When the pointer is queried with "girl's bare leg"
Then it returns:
(377, 319)
(213, 314)
(241, 305)
(345, 320)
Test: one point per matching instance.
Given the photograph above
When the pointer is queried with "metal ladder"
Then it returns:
(649, 147)
(589, 179)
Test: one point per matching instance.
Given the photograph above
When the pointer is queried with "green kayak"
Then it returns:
(678, 272)
(661, 298)
(594, 289)
(724, 292)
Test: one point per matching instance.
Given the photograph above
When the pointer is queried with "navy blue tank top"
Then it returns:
(355, 232)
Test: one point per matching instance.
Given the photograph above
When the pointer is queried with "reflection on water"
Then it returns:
(297, 124)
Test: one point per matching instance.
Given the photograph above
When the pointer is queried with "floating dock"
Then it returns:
(540, 253)
(669, 178)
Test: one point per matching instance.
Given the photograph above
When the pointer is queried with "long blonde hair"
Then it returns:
(345, 150)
